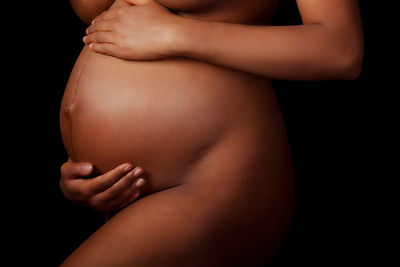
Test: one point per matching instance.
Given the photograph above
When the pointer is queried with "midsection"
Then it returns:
(163, 115)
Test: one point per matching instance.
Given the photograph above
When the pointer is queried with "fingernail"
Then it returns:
(127, 168)
(140, 182)
(84, 38)
(136, 195)
(87, 31)
(90, 46)
(138, 172)
(88, 167)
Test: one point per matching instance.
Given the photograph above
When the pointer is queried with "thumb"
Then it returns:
(70, 170)
(138, 2)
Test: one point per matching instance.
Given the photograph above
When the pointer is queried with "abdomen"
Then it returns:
(160, 115)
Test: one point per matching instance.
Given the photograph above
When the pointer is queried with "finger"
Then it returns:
(76, 169)
(106, 49)
(125, 198)
(130, 195)
(99, 37)
(105, 181)
(113, 201)
(104, 26)
(139, 183)
(118, 188)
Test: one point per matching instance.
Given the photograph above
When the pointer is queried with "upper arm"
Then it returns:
(327, 12)
(87, 10)
(341, 22)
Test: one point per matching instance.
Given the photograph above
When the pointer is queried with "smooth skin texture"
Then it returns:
(192, 223)
(328, 46)
(109, 192)
(112, 32)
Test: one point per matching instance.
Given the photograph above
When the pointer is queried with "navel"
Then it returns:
(69, 110)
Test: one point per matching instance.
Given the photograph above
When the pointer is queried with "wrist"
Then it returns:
(181, 38)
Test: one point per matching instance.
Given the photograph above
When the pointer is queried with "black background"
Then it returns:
(331, 125)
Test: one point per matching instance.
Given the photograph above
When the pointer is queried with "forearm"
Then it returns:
(303, 52)
(87, 10)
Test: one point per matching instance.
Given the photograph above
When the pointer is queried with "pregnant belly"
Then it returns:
(160, 115)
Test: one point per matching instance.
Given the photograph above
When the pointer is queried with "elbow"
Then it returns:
(349, 61)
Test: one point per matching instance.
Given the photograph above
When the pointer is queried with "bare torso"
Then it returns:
(162, 115)
(186, 122)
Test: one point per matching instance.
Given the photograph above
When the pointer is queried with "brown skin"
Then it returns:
(109, 192)
(330, 42)
(219, 192)
(330, 30)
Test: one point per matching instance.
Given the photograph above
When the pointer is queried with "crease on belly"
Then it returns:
(70, 108)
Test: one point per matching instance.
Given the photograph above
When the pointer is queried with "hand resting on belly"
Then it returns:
(120, 186)
(109, 192)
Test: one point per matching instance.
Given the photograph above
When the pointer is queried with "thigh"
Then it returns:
(170, 228)
(231, 208)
